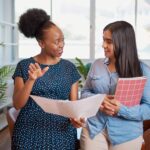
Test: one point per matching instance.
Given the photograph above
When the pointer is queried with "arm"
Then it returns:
(22, 90)
(87, 90)
(74, 96)
(94, 81)
(140, 112)
(74, 92)
(137, 113)
(113, 107)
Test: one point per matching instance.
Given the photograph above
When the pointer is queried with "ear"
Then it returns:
(41, 44)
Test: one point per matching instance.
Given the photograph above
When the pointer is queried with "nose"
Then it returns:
(61, 44)
(104, 45)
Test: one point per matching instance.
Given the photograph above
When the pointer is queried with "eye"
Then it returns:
(109, 41)
(57, 42)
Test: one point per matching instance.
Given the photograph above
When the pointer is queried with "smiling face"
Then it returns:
(52, 43)
(108, 45)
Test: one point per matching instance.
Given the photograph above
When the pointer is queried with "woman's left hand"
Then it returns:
(77, 123)
(110, 106)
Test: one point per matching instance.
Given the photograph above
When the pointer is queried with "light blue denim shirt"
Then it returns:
(128, 124)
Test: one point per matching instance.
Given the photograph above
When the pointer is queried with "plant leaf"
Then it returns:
(5, 73)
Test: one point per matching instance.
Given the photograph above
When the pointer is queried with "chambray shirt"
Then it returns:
(128, 124)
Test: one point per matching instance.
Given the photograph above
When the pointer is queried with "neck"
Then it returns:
(112, 61)
(44, 59)
(111, 65)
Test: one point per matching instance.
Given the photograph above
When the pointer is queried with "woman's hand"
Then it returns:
(110, 106)
(77, 123)
(35, 71)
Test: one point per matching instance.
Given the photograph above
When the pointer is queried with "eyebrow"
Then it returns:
(107, 39)
(62, 38)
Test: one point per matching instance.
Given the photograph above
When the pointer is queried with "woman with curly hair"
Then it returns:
(46, 75)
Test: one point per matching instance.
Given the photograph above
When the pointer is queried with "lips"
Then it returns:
(60, 52)
(106, 52)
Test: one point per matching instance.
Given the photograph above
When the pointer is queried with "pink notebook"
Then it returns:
(129, 90)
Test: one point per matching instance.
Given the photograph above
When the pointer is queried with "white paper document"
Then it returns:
(86, 107)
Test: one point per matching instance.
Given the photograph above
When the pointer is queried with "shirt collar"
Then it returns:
(106, 61)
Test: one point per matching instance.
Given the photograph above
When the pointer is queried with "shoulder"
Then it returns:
(98, 68)
(98, 63)
(25, 61)
(145, 69)
(24, 64)
(22, 68)
(71, 69)
(68, 63)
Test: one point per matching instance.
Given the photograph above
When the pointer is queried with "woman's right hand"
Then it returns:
(35, 71)
(22, 89)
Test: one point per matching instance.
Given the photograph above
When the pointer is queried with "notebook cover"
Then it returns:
(129, 90)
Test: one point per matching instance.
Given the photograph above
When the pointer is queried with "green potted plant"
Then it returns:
(5, 73)
(83, 70)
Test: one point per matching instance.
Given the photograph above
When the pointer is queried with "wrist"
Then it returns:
(31, 80)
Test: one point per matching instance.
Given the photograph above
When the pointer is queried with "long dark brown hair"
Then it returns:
(125, 50)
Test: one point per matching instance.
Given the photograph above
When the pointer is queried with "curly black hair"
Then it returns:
(33, 21)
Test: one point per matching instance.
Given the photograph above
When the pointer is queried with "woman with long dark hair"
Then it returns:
(116, 126)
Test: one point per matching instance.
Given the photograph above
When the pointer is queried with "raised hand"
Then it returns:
(35, 71)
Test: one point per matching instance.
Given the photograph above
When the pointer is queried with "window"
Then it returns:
(8, 43)
(82, 23)
(106, 14)
(8, 33)
(73, 18)
(143, 28)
